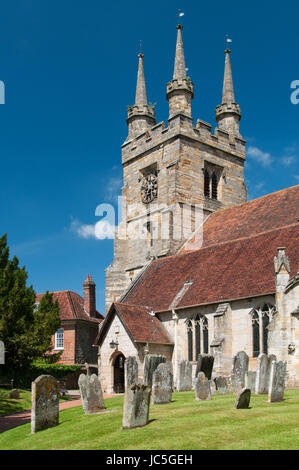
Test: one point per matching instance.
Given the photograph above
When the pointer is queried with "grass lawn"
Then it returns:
(9, 406)
(184, 424)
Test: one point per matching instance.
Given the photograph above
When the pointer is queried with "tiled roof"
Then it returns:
(71, 306)
(236, 260)
(141, 326)
(269, 212)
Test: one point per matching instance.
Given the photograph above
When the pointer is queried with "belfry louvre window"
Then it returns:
(59, 339)
(197, 336)
(260, 319)
(212, 175)
(206, 184)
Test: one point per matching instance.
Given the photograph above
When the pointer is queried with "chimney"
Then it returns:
(89, 288)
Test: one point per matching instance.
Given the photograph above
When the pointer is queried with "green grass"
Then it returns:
(184, 424)
(9, 406)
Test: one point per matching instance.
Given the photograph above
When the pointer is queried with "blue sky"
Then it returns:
(69, 69)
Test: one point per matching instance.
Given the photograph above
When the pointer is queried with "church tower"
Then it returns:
(175, 176)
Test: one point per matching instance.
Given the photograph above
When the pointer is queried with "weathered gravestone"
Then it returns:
(250, 379)
(263, 373)
(91, 393)
(151, 363)
(162, 384)
(212, 387)
(202, 387)
(184, 379)
(240, 367)
(205, 364)
(45, 403)
(243, 399)
(277, 381)
(131, 371)
(221, 385)
(136, 406)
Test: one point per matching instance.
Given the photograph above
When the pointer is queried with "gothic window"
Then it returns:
(149, 184)
(260, 319)
(206, 183)
(214, 186)
(197, 336)
(212, 174)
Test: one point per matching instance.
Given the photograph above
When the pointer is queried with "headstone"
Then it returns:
(221, 385)
(243, 399)
(91, 393)
(162, 384)
(136, 406)
(45, 403)
(14, 394)
(131, 371)
(151, 363)
(184, 379)
(240, 367)
(202, 387)
(213, 387)
(2, 353)
(263, 373)
(277, 381)
(250, 379)
(205, 364)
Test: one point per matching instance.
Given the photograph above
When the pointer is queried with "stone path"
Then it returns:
(23, 417)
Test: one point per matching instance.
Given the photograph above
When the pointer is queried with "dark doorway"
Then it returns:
(119, 374)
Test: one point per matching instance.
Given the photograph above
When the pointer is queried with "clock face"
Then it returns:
(149, 188)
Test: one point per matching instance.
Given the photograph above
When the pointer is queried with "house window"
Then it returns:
(260, 319)
(59, 339)
(197, 336)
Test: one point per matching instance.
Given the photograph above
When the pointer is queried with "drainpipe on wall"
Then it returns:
(175, 372)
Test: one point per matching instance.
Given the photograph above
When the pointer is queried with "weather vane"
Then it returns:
(180, 13)
(140, 47)
(227, 40)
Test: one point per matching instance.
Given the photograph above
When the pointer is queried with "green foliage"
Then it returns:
(25, 330)
(24, 377)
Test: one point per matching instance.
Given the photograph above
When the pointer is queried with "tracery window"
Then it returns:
(260, 319)
(212, 175)
(197, 336)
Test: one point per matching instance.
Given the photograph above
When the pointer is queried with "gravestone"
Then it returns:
(2, 353)
(263, 373)
(184, 380)
(212, 387)
(205, 364)
(277, 381)
(240, 367)
(45, 403)
(162, 384)
(91, 393)
(202, 387)
(250, 380)
(221, 385)
(136, 406)
(151, 363)
(131, 371)
(243, 399)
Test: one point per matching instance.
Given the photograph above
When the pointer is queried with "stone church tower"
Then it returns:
(175, 176)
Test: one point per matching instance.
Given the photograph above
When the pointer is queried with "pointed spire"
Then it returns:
(228, 95)
(179, 72)
(141, 98)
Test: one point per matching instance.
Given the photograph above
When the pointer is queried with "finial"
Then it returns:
(180, 13)
(227, 40)
(140, 49)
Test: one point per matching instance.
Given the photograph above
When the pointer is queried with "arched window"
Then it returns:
(206, 183)
(197, 336)
(214, 186)
(260, 319)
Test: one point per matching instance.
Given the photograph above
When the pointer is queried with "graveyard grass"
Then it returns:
(184, 424)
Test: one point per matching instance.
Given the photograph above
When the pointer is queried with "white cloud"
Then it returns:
(287, 160)
(101, 230)
(113, 189)
(264, 158)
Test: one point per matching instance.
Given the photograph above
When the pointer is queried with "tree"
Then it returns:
(25, 329)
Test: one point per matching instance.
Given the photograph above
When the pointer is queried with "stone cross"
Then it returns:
(162, 384)
(131, 371)
(205, 364)
(243, 399)
(202, 387)
(263, 373)
(136, 406)
(44, 403)
(91, 393)
(277, 381)
(151, 363)
(184, 380)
